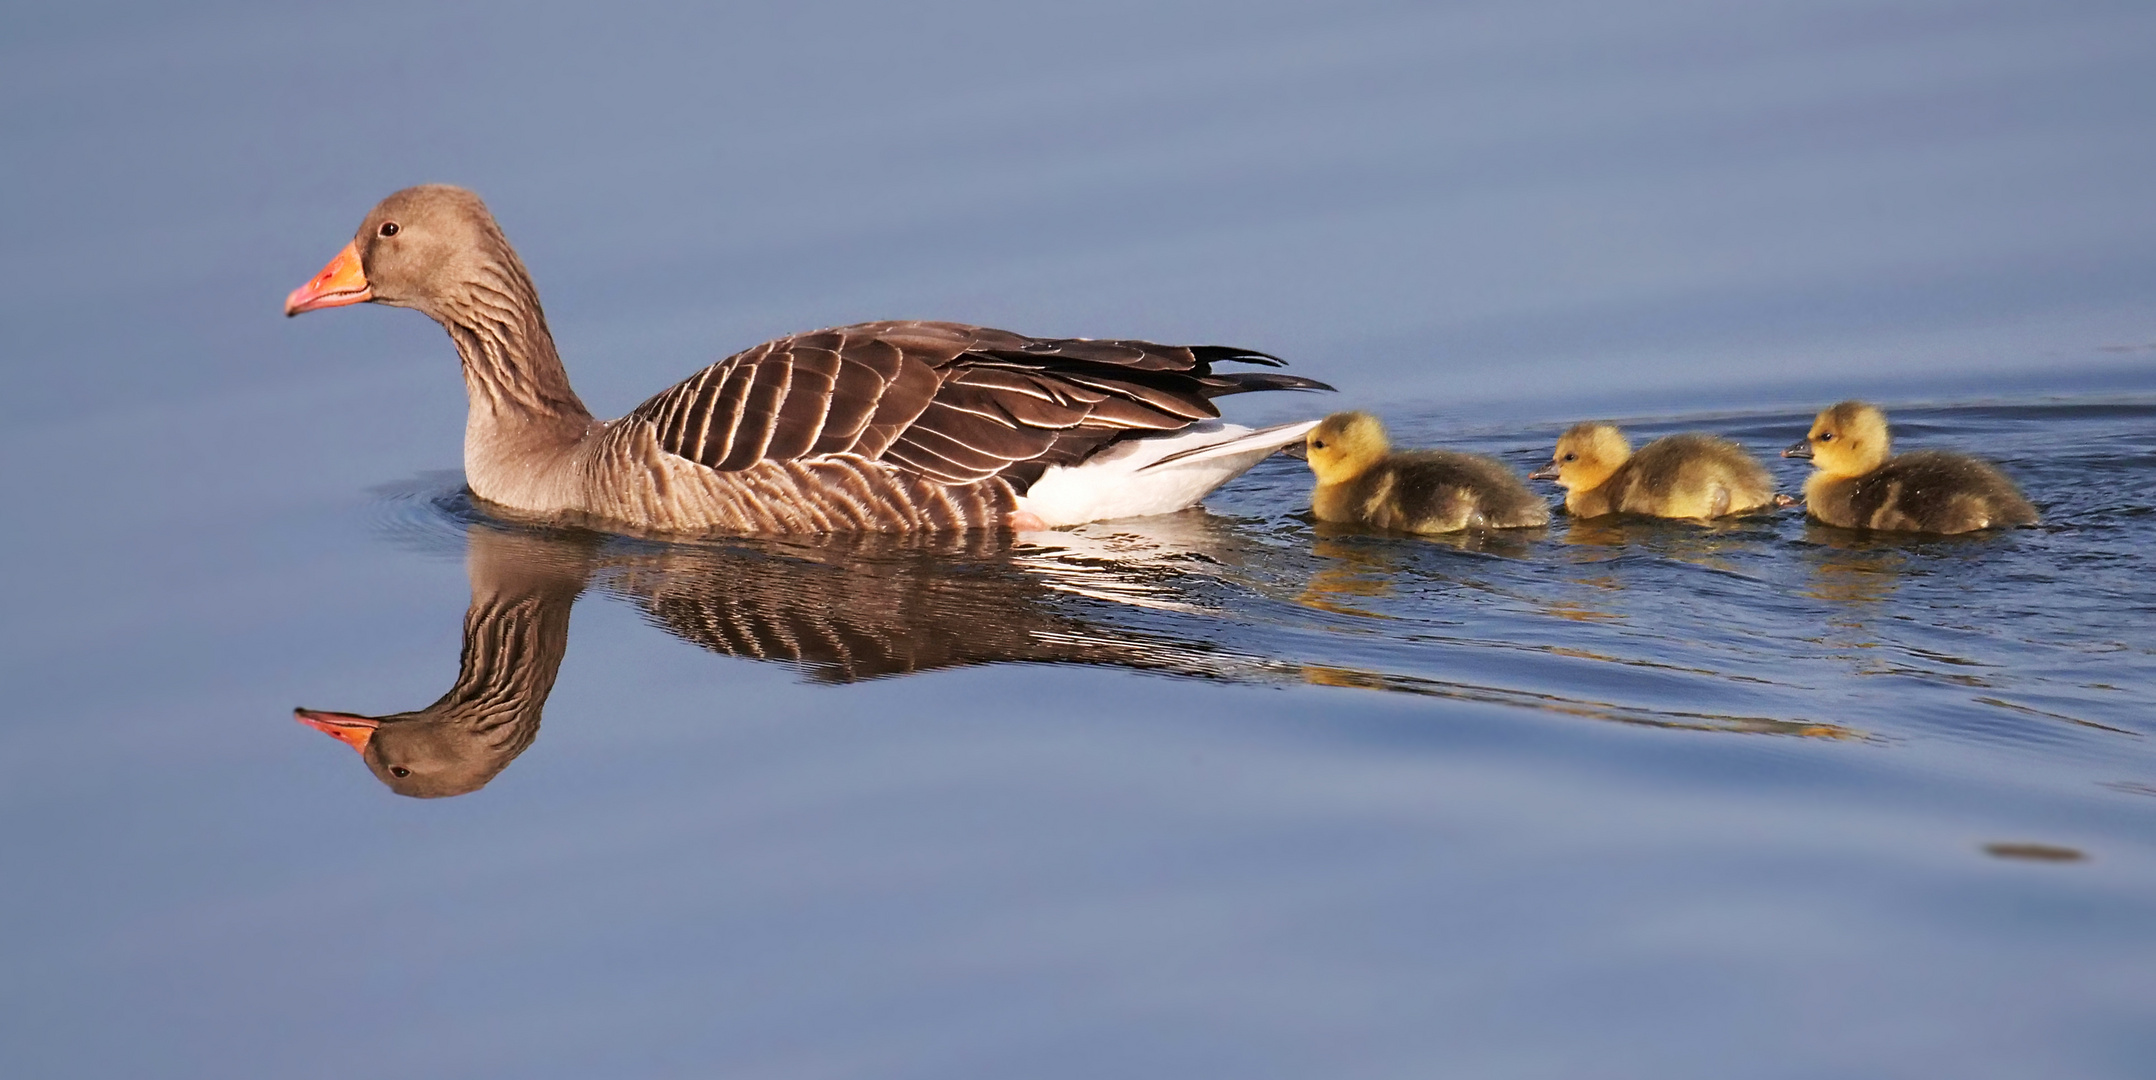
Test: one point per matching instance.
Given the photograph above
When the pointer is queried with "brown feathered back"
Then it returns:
(953, 403)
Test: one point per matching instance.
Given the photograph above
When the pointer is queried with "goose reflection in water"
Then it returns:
(515, 633)
(1166, 595)
(841, 609)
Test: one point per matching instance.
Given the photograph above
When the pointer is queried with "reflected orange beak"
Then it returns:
(341, 282)
(350, 729)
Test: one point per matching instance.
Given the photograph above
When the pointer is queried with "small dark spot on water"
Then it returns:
(2034, 852)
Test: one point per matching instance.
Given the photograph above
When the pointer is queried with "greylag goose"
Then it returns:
(1363, 481)
(883, 426)
(1677, 476)
(1858, 485)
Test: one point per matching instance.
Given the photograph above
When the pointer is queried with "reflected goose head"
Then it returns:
(1585, 456)
(1344, 445)
(417, 248)
(1848, 439)
(515, 633)
(417, 754)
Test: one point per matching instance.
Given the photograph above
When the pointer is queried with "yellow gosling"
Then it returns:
(1860, 485)
(1677, 476)
(1363, 481)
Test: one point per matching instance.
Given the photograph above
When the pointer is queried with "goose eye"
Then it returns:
(1826, 436)
(399, 771)
(1572, 457)
(1318, 445)
(389, 228)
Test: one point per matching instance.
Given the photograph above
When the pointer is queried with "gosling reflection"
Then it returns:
(1856, 574)
(1707, 544)
(1852, 570)
(1516, 543)
(1363, 564)
(1351, 574)
(841, 610)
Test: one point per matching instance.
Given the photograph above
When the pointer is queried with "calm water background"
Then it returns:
(1645, 800)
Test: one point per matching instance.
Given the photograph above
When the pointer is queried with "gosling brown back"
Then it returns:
(1931, 491)
(1436, 491)
(1691, 475)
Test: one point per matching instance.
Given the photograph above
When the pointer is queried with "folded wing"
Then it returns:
(953, 403)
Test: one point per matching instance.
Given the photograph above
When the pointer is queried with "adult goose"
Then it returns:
(884, 426)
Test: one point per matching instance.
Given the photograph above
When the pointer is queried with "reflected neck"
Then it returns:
(513, 647)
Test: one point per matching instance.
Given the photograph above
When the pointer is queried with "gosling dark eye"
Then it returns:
(1572, 457)
(1826, 436)
(399, 771)
(389, 228)
(1318, 445)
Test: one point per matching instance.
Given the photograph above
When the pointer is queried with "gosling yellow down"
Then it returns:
(1858, 485)
(1677, 476)
(1363, 481)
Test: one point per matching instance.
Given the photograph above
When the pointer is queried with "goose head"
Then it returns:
(1344, 445)
(426, 247)
(1585, 456)
(1849, 439)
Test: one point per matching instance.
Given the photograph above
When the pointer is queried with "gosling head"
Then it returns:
(1849, 439)
(1586, 455)
(1343, 445)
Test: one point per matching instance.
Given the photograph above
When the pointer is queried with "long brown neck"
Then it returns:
(519, 391)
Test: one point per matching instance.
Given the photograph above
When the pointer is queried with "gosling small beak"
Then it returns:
(1547, 472)
(348, 728)
(1296, 450)
(1802, 448)
(341, 282)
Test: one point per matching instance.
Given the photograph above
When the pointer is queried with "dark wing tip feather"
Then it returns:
(1242, 382)
(1218, 354)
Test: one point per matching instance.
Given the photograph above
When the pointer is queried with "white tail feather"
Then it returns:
(1157, 475)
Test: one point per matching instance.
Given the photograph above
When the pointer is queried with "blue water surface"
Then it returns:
(1220, 794)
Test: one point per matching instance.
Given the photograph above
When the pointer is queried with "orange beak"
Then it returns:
(341, 282)
(352, 730)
